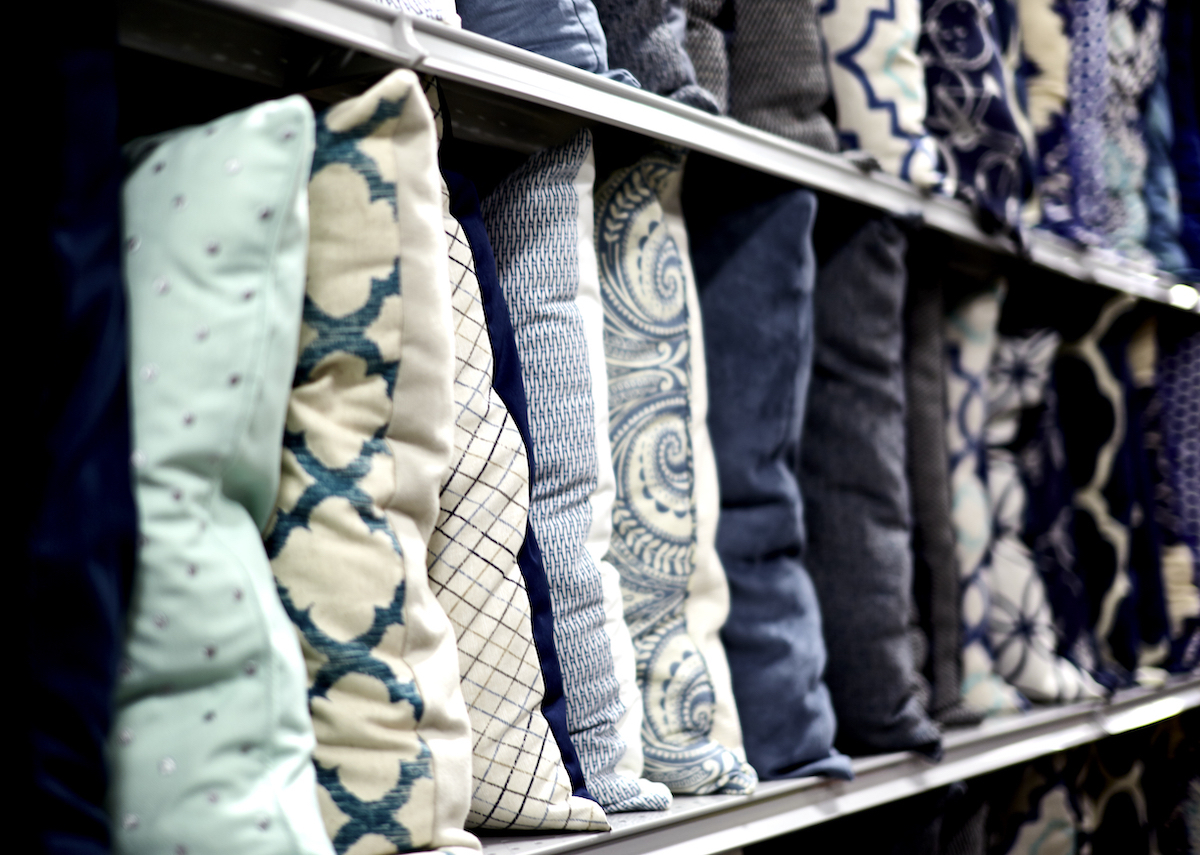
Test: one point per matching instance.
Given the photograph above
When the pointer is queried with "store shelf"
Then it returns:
(703, 825)
(501, 76)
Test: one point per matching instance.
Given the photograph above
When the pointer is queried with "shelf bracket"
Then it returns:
(404, 40)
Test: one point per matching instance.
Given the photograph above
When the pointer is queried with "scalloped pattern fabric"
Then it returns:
(520, 781)
(1020, 624)
(540, 223)
(212, 744)
(644, 280)
(970, 343)
(368, 443)
(971, 108)
(878, 83)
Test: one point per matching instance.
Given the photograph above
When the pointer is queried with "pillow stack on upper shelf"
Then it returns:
(1077, 118)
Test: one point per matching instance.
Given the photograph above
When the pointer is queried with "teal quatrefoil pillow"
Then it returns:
(212, 745)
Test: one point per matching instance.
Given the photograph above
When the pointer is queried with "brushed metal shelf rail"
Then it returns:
(705, 825)
(491, 66)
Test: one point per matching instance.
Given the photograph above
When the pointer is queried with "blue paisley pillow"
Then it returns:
(644, 281)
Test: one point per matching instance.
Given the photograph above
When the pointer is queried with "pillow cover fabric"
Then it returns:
(539, 220)
(212, 741)
(935, 567)
(754, 267)
(1020, 625)
(1087, 88)
(1179, 42)
(970, 109)
(856, 498)
(705, 42)
(878, 84)
(1179, 385)
(970, 342)
(1091, 378)
(76, 521)
(520, 781)
(777, 77)
(643, 287)
(1161, 191)
(640, 39)
(706, 607)
(368, 443)
(566, 30)
(1134, 43)
(437, 10)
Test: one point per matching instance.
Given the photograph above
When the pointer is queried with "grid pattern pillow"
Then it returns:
(539, 220)
(212, 742)
(368, 443)
(520, 781)
(643, 285)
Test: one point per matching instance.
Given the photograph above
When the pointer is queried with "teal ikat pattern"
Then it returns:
(643, 284)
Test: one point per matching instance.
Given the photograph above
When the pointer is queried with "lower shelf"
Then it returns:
(704, 825)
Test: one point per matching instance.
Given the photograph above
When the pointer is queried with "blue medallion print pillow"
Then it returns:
(367, 447)
(644, 282)
(212, 743)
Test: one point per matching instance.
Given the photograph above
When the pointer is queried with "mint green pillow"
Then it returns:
(212, 746)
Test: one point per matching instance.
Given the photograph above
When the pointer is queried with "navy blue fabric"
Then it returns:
(852, 475)
(1161, 190)
(506, 380)
(76, 516)
(970, 110)
(566, 30)
(753, 259)
(1179, 35)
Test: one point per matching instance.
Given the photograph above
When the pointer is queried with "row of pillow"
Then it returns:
(1072, 116)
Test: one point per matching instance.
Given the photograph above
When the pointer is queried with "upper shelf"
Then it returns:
(511, 73)
(704, 825)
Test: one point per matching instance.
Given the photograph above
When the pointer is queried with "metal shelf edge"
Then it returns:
(705, 825)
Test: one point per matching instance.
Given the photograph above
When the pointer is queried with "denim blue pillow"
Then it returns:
(566, 30)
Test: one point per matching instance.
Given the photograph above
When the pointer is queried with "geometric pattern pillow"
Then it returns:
(643, 285)
(539, 220)
(878, 83)
(970, 342)
(1179, 384)
(212, 744)
(519, 778)
(972, 111)
(368, 442)
(1020, 624)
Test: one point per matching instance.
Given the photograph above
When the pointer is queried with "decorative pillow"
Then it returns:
(705, 43)
(520, 781)
(1161, 191)
(539, 220)
(367, 446)
(856, 499)
(212, 741)
(1087, 90)
(566, 30)
(935, 568)
(643, 286)
(878, 84)
(75, 525)
(706, 607)
(1020, 625)
(640, 39)
(970, 342)
(1046, 44)
(1134, 44)
(1180, 43)
(1179, 386)
(777, 77)
(970, 109)
(437, 10)
(1094, 414)
(752, 253)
